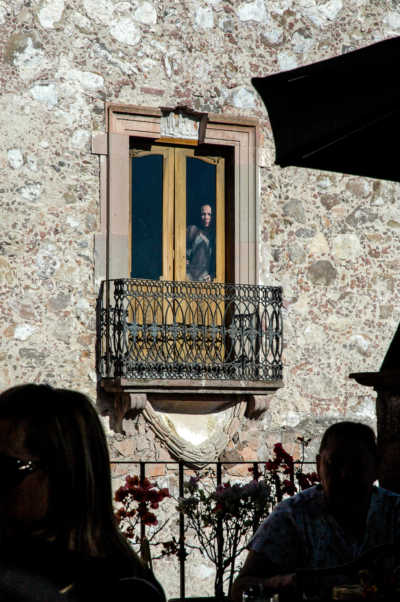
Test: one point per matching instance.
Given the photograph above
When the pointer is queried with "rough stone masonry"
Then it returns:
(331, 240)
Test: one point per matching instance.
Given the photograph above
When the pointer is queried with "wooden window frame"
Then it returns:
(167, 203)
(123, 122)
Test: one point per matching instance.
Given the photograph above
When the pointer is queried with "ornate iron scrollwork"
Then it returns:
(189, 330)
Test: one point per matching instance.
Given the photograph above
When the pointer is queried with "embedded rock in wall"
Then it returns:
(125, 30)
(287, 60)
(297, 253)
(392, 22)
(322, 272)
(243, 98)
(24, 331)
(321, 15)
(253, 11)
(99, 10)
(305, 232)
(329, 200)
(146, 13)
(204, 18)
(50, 13)
(31, 191)
(59, 302)
(346, 246)
(45, 93)
(32, 355)
(360, 343)
(295, 210)
(15, 158)
(361, 215)
(318, 246)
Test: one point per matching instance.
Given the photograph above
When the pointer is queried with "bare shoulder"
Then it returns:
(192, 231)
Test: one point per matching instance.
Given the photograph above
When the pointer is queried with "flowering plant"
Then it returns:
(218, 517)
(283, 471)
(221, 516)
(138, 497)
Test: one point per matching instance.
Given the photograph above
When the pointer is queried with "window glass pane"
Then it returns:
(147, 202)
(200, 219)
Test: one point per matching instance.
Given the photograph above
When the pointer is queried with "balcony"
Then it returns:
(189, 337)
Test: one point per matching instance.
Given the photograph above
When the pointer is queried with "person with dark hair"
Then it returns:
(200, 243)
(58, 534)
(328, 525)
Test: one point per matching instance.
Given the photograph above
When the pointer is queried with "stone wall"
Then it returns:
(331, 240)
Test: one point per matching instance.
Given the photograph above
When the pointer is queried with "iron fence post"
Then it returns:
(182, 552)
(220, 543)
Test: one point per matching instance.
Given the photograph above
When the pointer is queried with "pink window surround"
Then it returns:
(112, 255)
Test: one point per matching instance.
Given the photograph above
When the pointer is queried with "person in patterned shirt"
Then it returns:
(329, 524)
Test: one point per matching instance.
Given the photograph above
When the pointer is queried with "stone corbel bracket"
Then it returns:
(257, 405)
(119, 405)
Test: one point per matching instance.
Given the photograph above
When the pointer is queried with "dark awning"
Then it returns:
(341, 114)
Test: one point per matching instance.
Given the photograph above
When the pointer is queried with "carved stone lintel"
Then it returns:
(183, 123)
(256, 406)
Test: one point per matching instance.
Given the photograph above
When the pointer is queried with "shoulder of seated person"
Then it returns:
(377, 490)
(386, 497)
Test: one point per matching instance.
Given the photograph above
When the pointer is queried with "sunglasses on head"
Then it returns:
(14, 470)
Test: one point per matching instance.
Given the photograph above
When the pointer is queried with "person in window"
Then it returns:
(200, 247)
(58, 535)
(327, 525)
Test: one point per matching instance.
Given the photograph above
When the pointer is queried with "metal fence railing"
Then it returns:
(223, 472)
(190, 330)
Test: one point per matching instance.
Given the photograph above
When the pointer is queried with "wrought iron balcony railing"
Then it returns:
(189, 330)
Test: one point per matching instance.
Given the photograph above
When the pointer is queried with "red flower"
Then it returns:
(152, 495)
(282, 455)
(132, 481)
(120, 514)
(121, 494)
(149, 518)
(139, 494)
(271, 465)
(288, 487)
(146, 484)
(307, 480)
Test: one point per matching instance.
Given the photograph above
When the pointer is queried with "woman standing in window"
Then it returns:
(200, 251)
